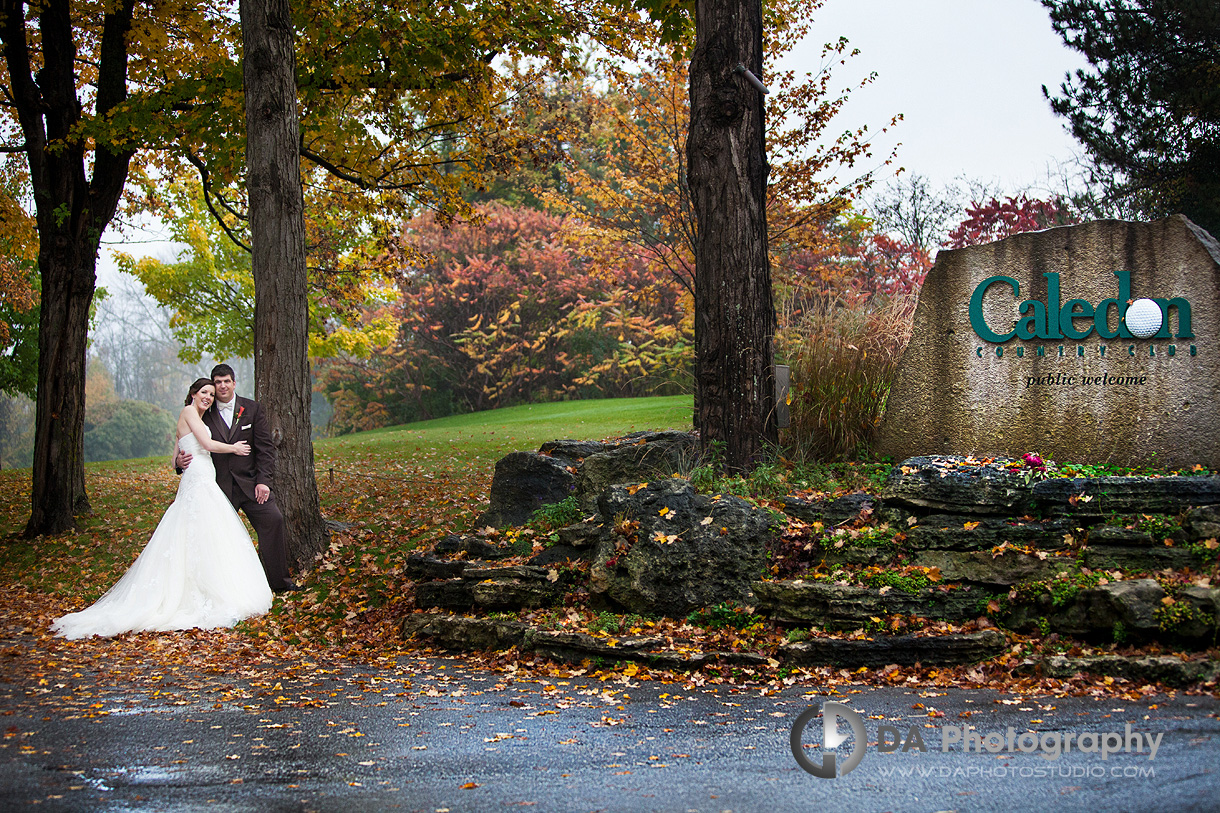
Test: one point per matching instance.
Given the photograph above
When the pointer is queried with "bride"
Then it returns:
(200, 568)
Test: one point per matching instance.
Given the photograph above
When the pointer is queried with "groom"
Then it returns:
(247, 480)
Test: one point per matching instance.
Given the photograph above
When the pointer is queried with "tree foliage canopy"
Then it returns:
(502, 309)
(1148, 110)
(624, 181)
(210, 288)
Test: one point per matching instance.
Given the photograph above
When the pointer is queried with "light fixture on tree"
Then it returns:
(751, 78)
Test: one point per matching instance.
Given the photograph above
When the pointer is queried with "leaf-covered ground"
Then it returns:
(395, 491)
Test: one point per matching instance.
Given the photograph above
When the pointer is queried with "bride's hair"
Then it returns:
(199, 384)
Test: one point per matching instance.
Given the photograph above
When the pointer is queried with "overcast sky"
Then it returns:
(967, 76)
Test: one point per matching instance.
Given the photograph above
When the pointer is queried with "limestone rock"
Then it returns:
(684, 551)
(450, 594)
(580, 535)
(1112, 547)
(1095, 612)
(457, 632)
(1104, 496)
(904, 650)
(983, 567)
(957, 485)
(1166, 669)
(1203, 522)
(561, 555)
(830, 512)
(513, 594)
(573, 451)
(1142, 558)
(422, 567)
(472, 546)
(521, 572)
(812, 602)
(1203, 620)
(980, 533)
(524, 482)
(576, 646)
(637, 459)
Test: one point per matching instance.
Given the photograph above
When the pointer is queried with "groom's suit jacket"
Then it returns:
(250, 425)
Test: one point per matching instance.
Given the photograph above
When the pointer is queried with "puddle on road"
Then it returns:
(106, 779)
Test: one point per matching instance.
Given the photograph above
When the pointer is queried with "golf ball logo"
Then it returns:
(1143, 318)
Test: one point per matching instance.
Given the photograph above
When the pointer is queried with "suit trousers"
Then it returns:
(268, 522)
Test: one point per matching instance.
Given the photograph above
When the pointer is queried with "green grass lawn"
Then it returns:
(481, 438)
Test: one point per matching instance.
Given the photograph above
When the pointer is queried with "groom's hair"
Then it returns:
(223, 369)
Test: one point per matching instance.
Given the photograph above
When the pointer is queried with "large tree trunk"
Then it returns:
(58, 488)
(277, 232)
(71, 213)
(734, 313)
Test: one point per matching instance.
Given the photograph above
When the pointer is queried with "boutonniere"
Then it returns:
(237, 417)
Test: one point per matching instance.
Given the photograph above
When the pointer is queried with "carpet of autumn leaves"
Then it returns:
(391, 495)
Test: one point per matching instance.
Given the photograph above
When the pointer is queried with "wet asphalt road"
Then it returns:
(457, 739)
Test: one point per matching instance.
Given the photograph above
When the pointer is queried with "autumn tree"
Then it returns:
(625, 180)
(18, 252)
(504, 308)
(734, 314)
(277, 240)
(400, 103)
(76, 193)
(995, 219)
(209, 288)
(625, 173)
(18, 326)
(639, 198)
(1148, 108)
(727, 165)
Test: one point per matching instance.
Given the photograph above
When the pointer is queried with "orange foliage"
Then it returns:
(504, 310)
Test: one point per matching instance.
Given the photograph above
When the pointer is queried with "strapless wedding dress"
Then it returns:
(199, 569)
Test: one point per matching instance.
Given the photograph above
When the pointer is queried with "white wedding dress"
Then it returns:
(199, 569)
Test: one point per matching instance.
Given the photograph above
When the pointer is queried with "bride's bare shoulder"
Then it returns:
(184, 424)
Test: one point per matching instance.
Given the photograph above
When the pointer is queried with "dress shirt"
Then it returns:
(226, 412)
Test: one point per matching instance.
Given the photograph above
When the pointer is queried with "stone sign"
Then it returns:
(1095, 343)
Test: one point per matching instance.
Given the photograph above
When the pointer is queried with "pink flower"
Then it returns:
(1034, 461)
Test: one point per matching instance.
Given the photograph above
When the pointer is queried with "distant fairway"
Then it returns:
(481, 438)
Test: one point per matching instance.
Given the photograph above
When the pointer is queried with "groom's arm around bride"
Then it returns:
(248, 481)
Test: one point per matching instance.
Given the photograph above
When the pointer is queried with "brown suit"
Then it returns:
(238, 475)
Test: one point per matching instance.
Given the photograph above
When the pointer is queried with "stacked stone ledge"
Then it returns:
(656, 547)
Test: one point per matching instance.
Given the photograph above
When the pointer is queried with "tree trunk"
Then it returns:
(734, 313)
(277, 232)
(57, 493)
(71, 212)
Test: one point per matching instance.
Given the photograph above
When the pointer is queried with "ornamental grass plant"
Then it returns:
(843, 355)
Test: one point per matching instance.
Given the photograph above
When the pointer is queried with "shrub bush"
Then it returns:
(118, 430)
